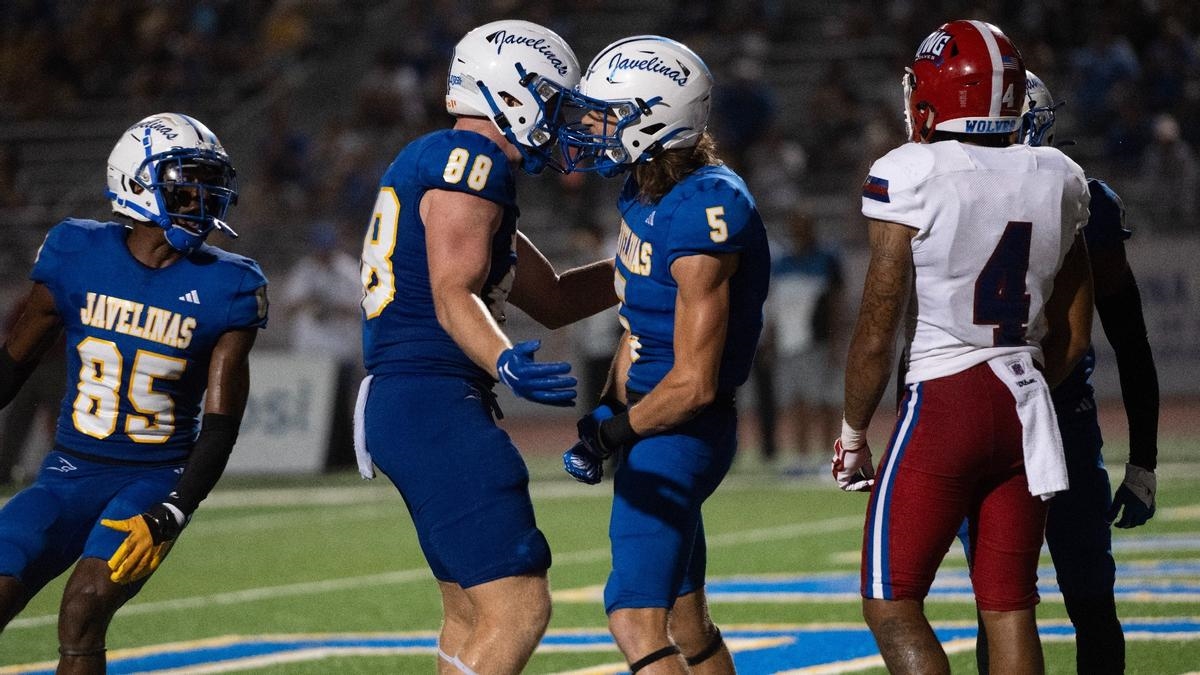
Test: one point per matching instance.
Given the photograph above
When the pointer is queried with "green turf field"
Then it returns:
(338, 556)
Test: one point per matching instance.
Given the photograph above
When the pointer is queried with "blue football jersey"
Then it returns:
(1105, 228)
(401, 333)
(709, 211)
(138, 339)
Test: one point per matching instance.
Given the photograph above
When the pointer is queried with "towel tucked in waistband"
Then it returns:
(366, 468)
(1045, 463)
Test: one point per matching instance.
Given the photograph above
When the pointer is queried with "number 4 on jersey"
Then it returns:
(1001, 299)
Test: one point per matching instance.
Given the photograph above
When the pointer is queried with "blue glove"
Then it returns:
(585, 460)
(1134, 500)
(583, 465)
(537, 382)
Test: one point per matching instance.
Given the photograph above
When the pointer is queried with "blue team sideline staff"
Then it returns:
(441, 260)
(692, 271)
(154, 319)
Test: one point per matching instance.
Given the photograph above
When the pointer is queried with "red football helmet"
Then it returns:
(967, 78)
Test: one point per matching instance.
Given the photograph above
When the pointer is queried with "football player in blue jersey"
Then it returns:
(157, 322)
(441, 259)
(1078, 522)
(692, 270)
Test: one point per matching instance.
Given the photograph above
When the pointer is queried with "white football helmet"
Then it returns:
(169, 169)
(1038, 114)
(639, 96)
(1037, 117)
(513, 72)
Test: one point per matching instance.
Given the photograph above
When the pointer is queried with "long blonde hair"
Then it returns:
(656, 177)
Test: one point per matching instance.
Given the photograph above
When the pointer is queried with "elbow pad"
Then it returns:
(12, 376)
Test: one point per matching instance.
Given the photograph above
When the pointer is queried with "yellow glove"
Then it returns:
(150, 536)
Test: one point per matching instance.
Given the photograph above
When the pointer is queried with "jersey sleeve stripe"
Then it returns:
(877, 189)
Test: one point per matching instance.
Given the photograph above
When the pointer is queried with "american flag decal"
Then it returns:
(1010, 62)
(877, 189)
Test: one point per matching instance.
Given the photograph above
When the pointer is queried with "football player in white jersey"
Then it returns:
(982, 232)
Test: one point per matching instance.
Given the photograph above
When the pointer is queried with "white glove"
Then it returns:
(852, 465)
(1134, 500)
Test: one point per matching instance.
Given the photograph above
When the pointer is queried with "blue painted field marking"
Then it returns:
(789, 647)
(1174, 581)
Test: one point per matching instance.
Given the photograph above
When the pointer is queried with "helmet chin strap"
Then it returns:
(612, 169)
(531, 163)
(183, 240)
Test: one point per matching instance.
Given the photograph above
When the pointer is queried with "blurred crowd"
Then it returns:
(314, 97)
(56, 54)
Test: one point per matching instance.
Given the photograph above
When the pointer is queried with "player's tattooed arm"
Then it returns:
(33, 334)
(884, 300)
(1068, 315)
(555, 300)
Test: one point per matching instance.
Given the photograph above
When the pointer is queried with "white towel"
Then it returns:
(1045, 463)
(365, 468)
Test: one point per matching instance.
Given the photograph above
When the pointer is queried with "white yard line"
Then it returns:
(410, 575)
(248, 595)
(382, 491)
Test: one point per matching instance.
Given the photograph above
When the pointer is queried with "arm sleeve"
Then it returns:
(12, 376)
(210, 454)
(1125, 328)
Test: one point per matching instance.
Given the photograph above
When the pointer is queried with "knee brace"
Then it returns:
(708, 652)
(653, 657)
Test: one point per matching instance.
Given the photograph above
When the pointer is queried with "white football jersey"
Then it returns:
(993, 226)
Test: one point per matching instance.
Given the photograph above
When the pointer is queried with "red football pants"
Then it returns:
(955, 452)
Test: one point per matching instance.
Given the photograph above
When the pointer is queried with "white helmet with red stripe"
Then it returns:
(967, 78)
